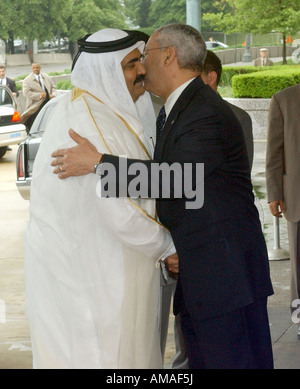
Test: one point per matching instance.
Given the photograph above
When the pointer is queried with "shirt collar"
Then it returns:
(175, 95)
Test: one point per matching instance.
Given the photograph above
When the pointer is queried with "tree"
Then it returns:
(258, 16)
(146, 13)
(44, 19)
(138, 12)
(89, 16)
(6, 20)
(34, 19)
(167, 11)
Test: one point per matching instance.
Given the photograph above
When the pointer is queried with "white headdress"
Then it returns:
(101, 74)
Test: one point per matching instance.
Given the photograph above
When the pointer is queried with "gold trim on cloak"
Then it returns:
(76, 92)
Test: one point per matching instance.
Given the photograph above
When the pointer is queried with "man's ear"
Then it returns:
(170, 55)
(213, 78)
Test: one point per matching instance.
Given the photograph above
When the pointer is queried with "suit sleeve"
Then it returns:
(205, 137)
(275, 152)
(28, 93)
(13, 87)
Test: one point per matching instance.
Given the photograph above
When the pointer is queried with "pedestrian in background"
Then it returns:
(38, 88)
(283, 174)
(263, 60)
(8, 81)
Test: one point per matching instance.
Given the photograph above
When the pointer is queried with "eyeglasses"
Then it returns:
(144, 55)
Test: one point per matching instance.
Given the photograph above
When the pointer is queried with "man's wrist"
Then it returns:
(98, 163)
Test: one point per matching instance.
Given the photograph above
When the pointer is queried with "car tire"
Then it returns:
(3, 151)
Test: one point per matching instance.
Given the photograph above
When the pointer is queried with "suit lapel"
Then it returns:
(178, 107)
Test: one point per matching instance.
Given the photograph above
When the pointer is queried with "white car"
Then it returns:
(11, 130)
(215, 44)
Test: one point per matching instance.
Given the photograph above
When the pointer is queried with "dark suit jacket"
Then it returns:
(12, 86)
(246, 123)
(222, 252)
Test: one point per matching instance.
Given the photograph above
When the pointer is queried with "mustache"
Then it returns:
(138, 79)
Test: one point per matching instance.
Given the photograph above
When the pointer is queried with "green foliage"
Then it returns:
(40, 19)
(43, 19)
(228, 72)
(256, 16)
(66, 71)
(138, 12)
(64, 85)
(89, 16)
(167, 11)
(265, 83)
(155, 13)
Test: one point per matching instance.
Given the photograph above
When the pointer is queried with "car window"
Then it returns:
(5, 96)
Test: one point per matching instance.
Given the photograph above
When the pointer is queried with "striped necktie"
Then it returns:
(160, 122)
(40, 81)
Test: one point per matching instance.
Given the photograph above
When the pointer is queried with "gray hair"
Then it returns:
(189, 44)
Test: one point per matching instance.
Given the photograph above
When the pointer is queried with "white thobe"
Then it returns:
(92, 280)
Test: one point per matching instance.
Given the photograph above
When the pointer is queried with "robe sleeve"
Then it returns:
(134, 227)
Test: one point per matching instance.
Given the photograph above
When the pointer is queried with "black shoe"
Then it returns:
(9, 149)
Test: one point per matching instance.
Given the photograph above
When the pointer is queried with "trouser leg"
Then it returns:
(294, 244)
(235, 340)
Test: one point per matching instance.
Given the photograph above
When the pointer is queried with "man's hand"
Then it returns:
(172, 263)
(75, 161)
(277, 208)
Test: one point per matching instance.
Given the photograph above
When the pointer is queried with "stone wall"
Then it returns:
(230, 56)
(258, 109)
(42, 58)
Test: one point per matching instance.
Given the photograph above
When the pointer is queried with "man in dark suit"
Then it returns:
(224, 278)
(8, 81)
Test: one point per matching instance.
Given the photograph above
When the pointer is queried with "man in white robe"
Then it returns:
(92, 264)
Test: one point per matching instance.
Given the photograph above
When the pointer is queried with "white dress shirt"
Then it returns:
(171, 100)
(40, 78)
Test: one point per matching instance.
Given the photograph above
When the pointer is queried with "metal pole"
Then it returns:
(277, 253)
(247, 56)
(193, 13)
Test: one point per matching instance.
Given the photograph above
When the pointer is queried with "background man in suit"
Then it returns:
(263, 60)
(8, 81)
(38, 88)
(211, 75)
(224, 277)
(283, 173)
